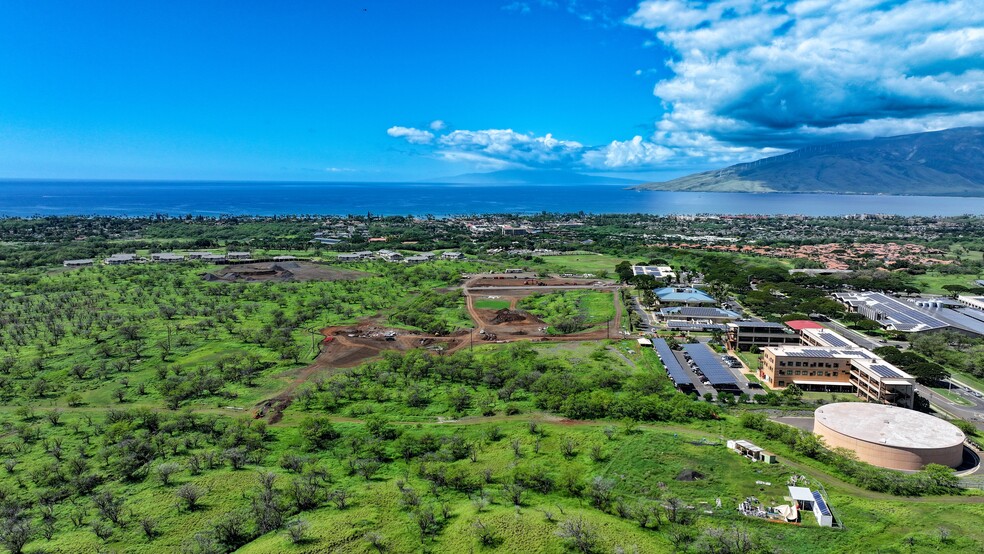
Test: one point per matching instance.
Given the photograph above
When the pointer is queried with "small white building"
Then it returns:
(452, 256)
(810, 500)
(238, 255)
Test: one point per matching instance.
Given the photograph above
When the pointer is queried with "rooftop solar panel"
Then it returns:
(820, 503)
(817, 353)
(885, 371)
(676, 372)
(709, 365)
(834, 340)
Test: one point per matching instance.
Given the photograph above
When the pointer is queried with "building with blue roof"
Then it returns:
(683, 296)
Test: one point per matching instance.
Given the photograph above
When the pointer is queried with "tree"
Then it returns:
(166, 470)
(109, 506)
(791, 394)
(485, 533)
(579, 535)
(318, 432)
(15, 533)
(928, 372)
(190, 495)
(297, 530)
(600, 491)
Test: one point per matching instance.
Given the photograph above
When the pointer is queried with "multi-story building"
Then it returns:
(742, 335)
(828, 362)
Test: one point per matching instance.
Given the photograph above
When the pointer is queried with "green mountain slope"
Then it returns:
(941, 163)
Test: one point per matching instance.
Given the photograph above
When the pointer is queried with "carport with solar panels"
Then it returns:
(679, 375)
(710, 367)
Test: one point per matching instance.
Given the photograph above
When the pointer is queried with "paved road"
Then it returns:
(853, 335)
(647, 322)
(973, 413)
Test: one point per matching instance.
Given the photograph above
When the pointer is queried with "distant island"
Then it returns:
(534, 177)
(941, 163)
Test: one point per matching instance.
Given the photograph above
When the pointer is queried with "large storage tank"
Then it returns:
(889, 436)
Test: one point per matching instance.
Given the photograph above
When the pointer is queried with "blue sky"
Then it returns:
(395, 90)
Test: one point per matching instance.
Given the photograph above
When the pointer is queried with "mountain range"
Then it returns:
(939, 163)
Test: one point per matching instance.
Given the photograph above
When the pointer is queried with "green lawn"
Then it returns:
(491, 304)
(571, 311)
(933, 283)
(581, 263)
(753, 361)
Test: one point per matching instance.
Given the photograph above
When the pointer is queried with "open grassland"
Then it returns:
(581, 263)
(491, 304)
(933, 283)
(126, 425)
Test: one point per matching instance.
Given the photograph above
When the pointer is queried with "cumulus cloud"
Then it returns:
(438, 125)
(771, 75)
(411, 135)
(634, 153)
(508, 145)
(509, 149)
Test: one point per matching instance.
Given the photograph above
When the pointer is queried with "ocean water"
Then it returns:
(210, 198)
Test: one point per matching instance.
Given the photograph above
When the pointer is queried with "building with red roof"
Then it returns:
(799, 325)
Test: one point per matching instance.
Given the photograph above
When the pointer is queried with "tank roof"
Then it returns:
(890, 426)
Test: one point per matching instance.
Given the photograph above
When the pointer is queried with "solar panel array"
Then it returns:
(821, 504)
(709, 365)
(834, 339)
(648, 270)
(687, 311)
(885, 371)
(817, 353)
(904, 317)
(673, 367)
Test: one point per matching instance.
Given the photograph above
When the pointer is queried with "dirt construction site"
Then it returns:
(349, 345)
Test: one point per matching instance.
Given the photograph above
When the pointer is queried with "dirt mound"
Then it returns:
(282, 271)
(689, 475)
(505, 315)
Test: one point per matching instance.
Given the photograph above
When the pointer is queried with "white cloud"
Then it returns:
(438, 125)
(772, 75)
(508, 145)
(634, 153)
(411, 135)
(518, 7)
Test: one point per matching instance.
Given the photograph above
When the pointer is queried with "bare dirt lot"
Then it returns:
(512, 324)
(349, 345)
(282, 271)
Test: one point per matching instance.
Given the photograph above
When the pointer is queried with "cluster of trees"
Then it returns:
(492, 380)
(933, 479)
(425, 311)
(925, 371)
(570, 311)
(951, 350)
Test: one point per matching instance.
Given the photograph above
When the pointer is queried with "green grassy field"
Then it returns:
(491, 304)
(581, 263)
(933, 283)
(571, 311)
